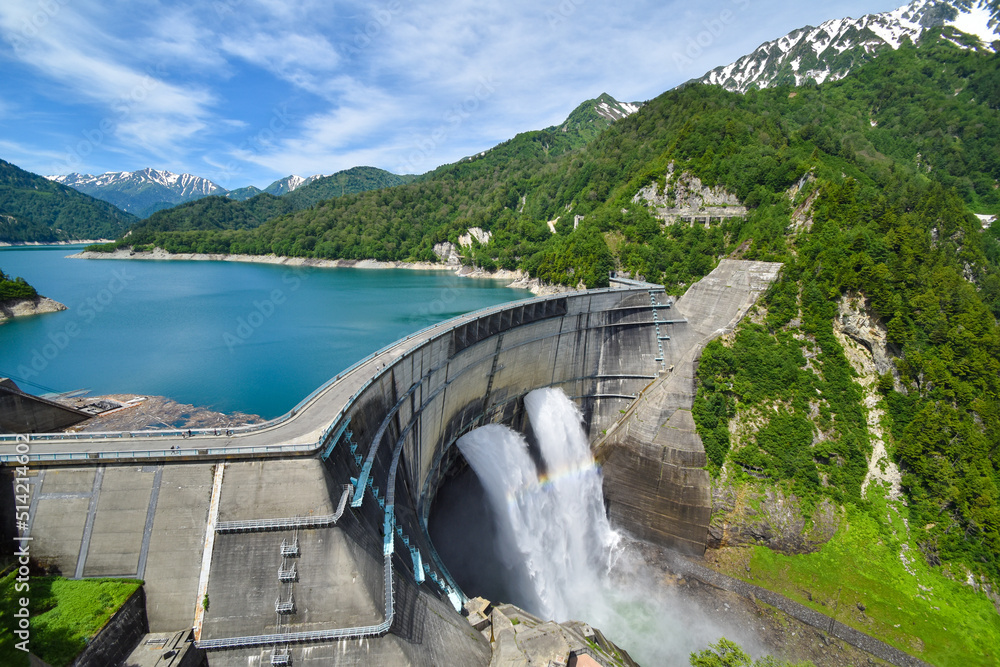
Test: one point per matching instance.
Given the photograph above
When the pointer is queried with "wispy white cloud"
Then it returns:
(180, 36)
(299, 59)
(137, 103)
(324, 141)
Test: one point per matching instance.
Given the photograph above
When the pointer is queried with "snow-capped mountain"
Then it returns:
(283, 186)
(611, 109)
(591, 117)
(829, 52)
(141, 192)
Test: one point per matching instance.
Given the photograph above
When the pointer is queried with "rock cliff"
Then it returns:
(684, 198)
(24, 307)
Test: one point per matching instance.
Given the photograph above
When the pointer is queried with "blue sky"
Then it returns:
(247, 91)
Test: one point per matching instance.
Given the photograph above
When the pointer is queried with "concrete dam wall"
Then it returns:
(211, 528)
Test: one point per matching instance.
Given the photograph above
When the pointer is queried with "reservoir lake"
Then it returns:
(229, 336)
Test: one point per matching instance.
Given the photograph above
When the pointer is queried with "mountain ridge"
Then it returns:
(225, 212)
(828, 52)
(288, 184)
(146, 191)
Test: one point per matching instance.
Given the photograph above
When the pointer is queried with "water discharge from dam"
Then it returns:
(552, 529)
(553, 547)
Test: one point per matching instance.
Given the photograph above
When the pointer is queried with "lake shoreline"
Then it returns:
(519, 279)
(28, 244)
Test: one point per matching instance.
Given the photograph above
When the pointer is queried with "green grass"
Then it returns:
(925, 614)
(65, 614)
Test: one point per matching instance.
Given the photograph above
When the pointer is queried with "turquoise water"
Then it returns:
(230, 336)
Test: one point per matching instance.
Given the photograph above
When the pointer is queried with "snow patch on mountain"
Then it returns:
(977, 21)
(141, 192)
(616, 111)
(283, 186)
(184, 185)
(822, 50)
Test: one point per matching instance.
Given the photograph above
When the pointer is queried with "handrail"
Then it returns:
(161, 453)
(259, 525)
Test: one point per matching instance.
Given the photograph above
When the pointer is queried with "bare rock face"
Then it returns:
(801, 217)
(519, 639)
(482, 237)
(854, 322)
(742, 516)
(135, 413)
(447, 252)
(686, 198)
(24, 307)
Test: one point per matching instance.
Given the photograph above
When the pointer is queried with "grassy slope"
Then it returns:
(923, 613)
(65, 615)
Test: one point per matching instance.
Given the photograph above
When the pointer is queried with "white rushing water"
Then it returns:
(563, 560)
(554, 536)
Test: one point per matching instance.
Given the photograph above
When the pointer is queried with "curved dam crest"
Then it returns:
(335, 496)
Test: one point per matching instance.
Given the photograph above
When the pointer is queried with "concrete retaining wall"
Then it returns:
(119, 636)
(24, 413)
(655, 484)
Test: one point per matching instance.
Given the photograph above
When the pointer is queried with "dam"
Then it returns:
(306, 538)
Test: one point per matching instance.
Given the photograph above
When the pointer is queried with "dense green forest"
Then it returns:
(882, 172)
(756, 145)
(35, 209)
(15, 288)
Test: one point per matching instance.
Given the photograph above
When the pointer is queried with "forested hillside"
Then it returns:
(894, 229)
(34, 209)
(892, 116)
